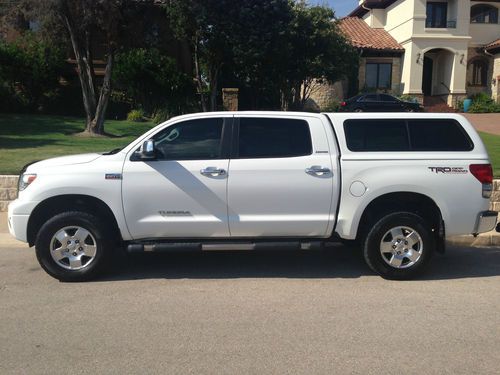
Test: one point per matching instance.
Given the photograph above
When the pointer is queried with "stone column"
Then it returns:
(230, 99)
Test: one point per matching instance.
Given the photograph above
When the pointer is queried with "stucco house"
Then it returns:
(451, 47)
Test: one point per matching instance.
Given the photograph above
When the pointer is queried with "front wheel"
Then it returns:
(73, 246)
(399, 246)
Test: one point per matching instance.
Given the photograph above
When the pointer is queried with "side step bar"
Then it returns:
(225, 246)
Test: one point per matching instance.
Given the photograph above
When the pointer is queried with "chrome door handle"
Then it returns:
(316, 170)
(213, 171)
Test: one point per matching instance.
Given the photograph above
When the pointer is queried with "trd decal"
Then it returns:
(449, 170)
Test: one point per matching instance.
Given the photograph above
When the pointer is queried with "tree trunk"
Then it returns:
(96, 126)
(214, 77)
(95, 111)
(198, 76)
(86, 81)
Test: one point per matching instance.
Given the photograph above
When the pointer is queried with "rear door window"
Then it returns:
(273, 138)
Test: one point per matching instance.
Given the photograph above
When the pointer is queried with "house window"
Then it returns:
(479, 73)
(482, 13)
(437, 15)
(378, 75)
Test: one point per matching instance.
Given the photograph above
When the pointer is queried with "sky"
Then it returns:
(342, 7)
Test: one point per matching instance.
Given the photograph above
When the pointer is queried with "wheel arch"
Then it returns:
(70, 202)
(413, 202)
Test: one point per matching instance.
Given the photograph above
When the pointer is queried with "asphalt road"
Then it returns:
(252, 313)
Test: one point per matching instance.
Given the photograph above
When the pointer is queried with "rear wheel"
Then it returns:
(74, 246)
(399, 245)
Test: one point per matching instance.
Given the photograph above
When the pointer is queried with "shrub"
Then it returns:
(161, 115)
(30, 69)
(481, 107)
(152, 80)
(481, 97)
(332, 106)
(136, 115)
(482, 103)
(408, 98)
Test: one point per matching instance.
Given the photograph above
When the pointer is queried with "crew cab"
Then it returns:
(396, 185)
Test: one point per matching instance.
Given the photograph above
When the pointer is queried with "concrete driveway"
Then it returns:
(485, 122)
(251, 313)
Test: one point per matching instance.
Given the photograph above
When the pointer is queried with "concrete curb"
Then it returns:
(483, 240)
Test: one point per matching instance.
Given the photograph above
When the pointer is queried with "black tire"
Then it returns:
(379, 239)
(67, 222)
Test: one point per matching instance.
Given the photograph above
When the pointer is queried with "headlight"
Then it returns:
(25, 180)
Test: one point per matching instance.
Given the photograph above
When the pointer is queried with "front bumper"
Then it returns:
(486, 221)
(18, 216)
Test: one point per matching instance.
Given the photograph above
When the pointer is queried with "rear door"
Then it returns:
(281, 177)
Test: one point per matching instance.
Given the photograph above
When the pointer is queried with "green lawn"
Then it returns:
(25, 138)
(492, 143)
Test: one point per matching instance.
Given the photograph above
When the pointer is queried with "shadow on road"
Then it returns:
(335, 262)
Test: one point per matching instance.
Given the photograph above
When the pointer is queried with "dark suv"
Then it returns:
(378, 103)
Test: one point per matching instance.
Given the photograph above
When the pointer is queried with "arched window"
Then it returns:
(479, 73)
(483, 13)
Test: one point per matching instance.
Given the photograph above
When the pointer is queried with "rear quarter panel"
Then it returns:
(458, 195)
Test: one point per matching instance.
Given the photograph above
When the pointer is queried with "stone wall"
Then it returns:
(324, 94)
(396, 72)
(8, 191)
(473, 55)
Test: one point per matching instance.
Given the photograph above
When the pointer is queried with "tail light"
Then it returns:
(484, 174)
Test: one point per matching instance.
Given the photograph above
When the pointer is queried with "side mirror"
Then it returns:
(148, 151)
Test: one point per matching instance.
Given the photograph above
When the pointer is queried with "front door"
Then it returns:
(427, 77)
(183, 192)
(281, 178)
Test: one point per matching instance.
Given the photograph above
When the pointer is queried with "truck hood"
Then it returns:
(64, 160)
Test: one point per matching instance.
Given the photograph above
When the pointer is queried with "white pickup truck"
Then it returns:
(397, 184)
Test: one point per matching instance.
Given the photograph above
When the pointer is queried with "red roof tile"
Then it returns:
(363, 36)
(493, 45)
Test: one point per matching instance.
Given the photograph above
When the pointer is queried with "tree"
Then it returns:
(85, 21)
(280, 48)
(205, 24)
(152, 80)
(317, 52)
(29, 72)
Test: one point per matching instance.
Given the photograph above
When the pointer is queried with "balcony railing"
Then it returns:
(441, 25)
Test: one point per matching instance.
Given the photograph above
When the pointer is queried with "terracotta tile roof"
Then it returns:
(363, 36)
(493, 45)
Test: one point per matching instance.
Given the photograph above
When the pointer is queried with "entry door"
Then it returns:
(183, 192)
(280, 178)
(427, 76)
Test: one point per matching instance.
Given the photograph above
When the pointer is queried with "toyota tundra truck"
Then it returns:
(395, 185)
